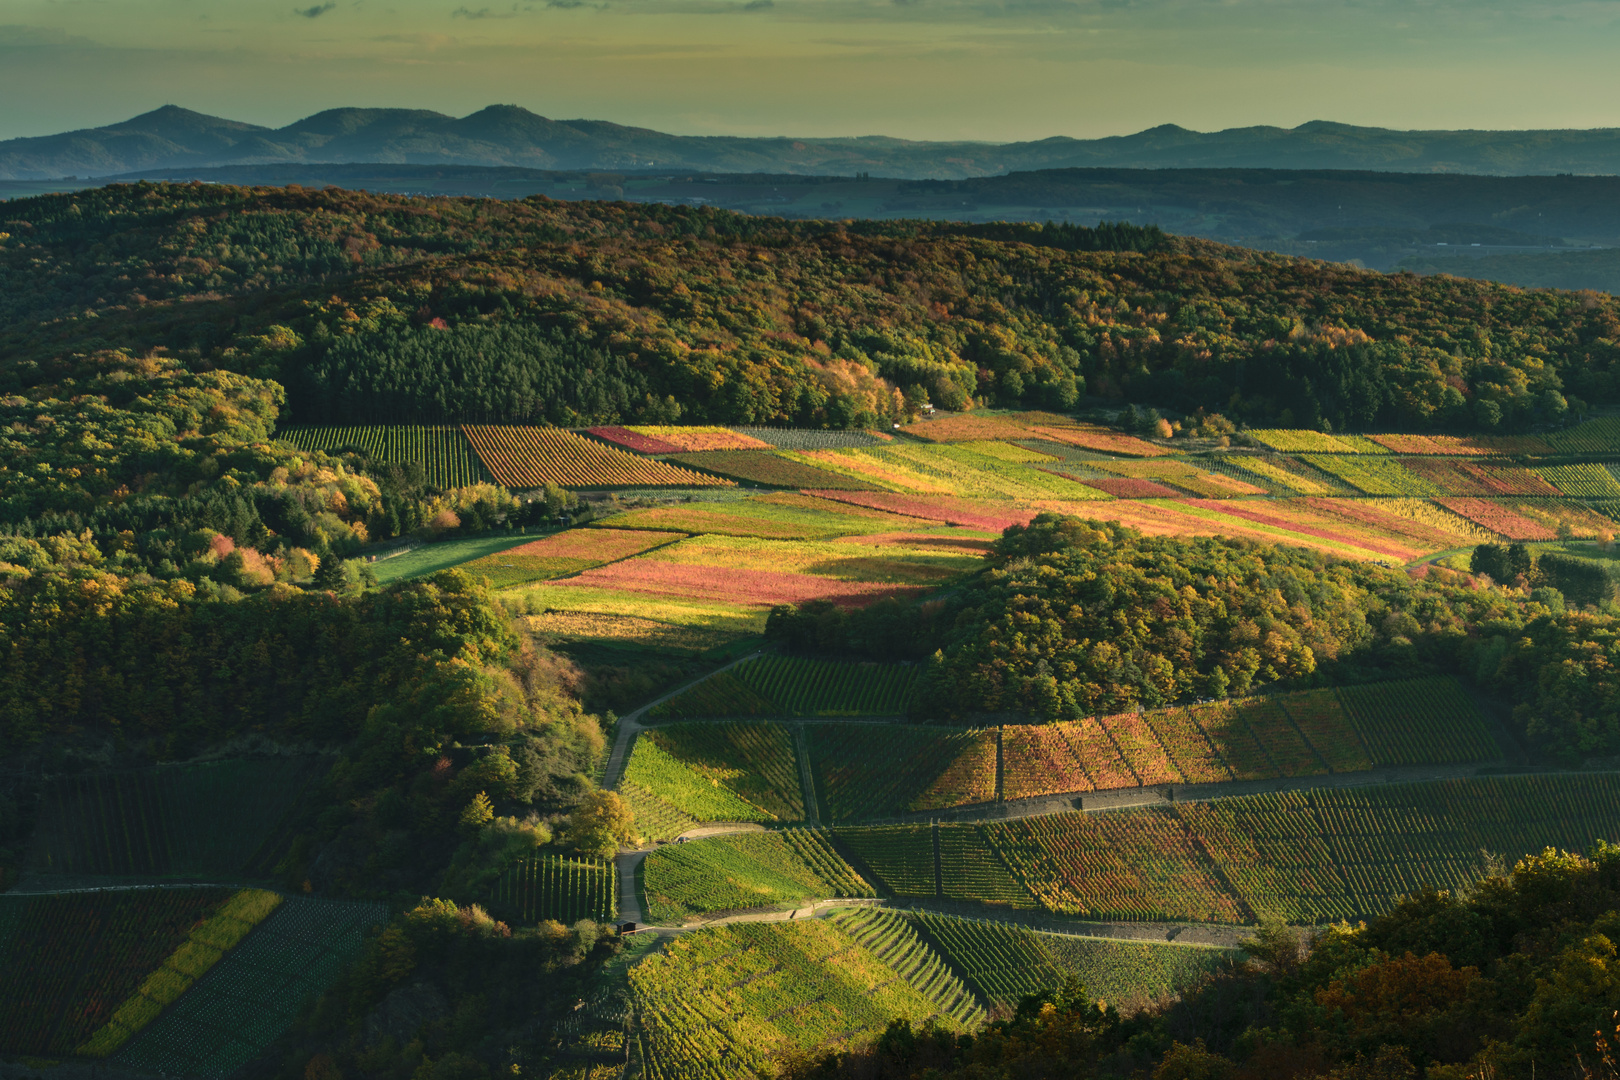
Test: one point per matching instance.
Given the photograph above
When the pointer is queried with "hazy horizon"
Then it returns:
(914, 69)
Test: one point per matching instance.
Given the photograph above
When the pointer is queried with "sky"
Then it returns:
(997, 70)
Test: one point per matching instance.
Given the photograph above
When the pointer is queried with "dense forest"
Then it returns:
(1073, 618)
(374, 308)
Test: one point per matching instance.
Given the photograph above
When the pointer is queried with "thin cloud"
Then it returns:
(315, 12)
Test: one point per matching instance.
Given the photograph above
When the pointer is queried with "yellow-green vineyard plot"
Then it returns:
(723, 1002)
(893, 938)
(1584, 481)
(880, 770)
(947, 470)
(899, 859)
(1600, 436)
(776, 516)
(721, 772)
(795, 686)
(783, 868)
(1298, 440)
(1374, 476)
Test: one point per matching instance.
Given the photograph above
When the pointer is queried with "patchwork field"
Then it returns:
(733, 771)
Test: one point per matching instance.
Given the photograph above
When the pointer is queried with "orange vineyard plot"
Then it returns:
(1095, 749)
(1141, 748)
(966, 429)
(526, 457)
(1480, 478)
(1110, 442)
(1038, 760)
(1190, 752)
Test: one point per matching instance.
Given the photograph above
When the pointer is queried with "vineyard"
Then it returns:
(768, 469)
(745, 870)
(793, 686)
(205, 946)
(531, 457)
(1304, 856)
(1375, 476)
(894, 939)
(723, 1002)
(1419, 721)
(216, 818)
(554, 887)
(1004, 962)
(893, 563)
(251, 998)
(802, 439)
(446, 457)
(71, 959)
(568, 552)
(880, 770)
(721, 772)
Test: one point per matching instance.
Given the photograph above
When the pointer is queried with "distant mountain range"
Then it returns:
(506, 135)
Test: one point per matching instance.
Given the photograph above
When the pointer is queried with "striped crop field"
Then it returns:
(1455, 477)
(71, 959)
(446, 457)
(955, 470)
(721, 772)
(784, 867)
(759, 588)
(1183, 475)
(668, 439)
(894, 563)
(228, 817)
(254, 994)
(1499, 518)
(1374, 476)
(554, 887)
(768, 469)
(1462, 446)
(530, 457)
(1427, 721)
(728, 1001)
(809, 439)
(1005, 962)
(1307, 856)
(1303, 441)
(895, 940)
(776, 516)
(989, 515)
(1588, 481)
(794, 686)
(880, 770)
(967, 428)
(566, 553)
(1600, 436)
(1419, 722)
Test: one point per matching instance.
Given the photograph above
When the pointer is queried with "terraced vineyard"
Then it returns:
(446, 457)
(250, 998)
(1419, 722)
(1305, 856)
(555, 887)
(794, 686)
(746, 870)
(229, 817)
(722, 1002)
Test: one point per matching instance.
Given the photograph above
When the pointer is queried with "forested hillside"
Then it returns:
(383, 309)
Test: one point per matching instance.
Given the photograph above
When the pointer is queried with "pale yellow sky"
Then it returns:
(927, 69)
